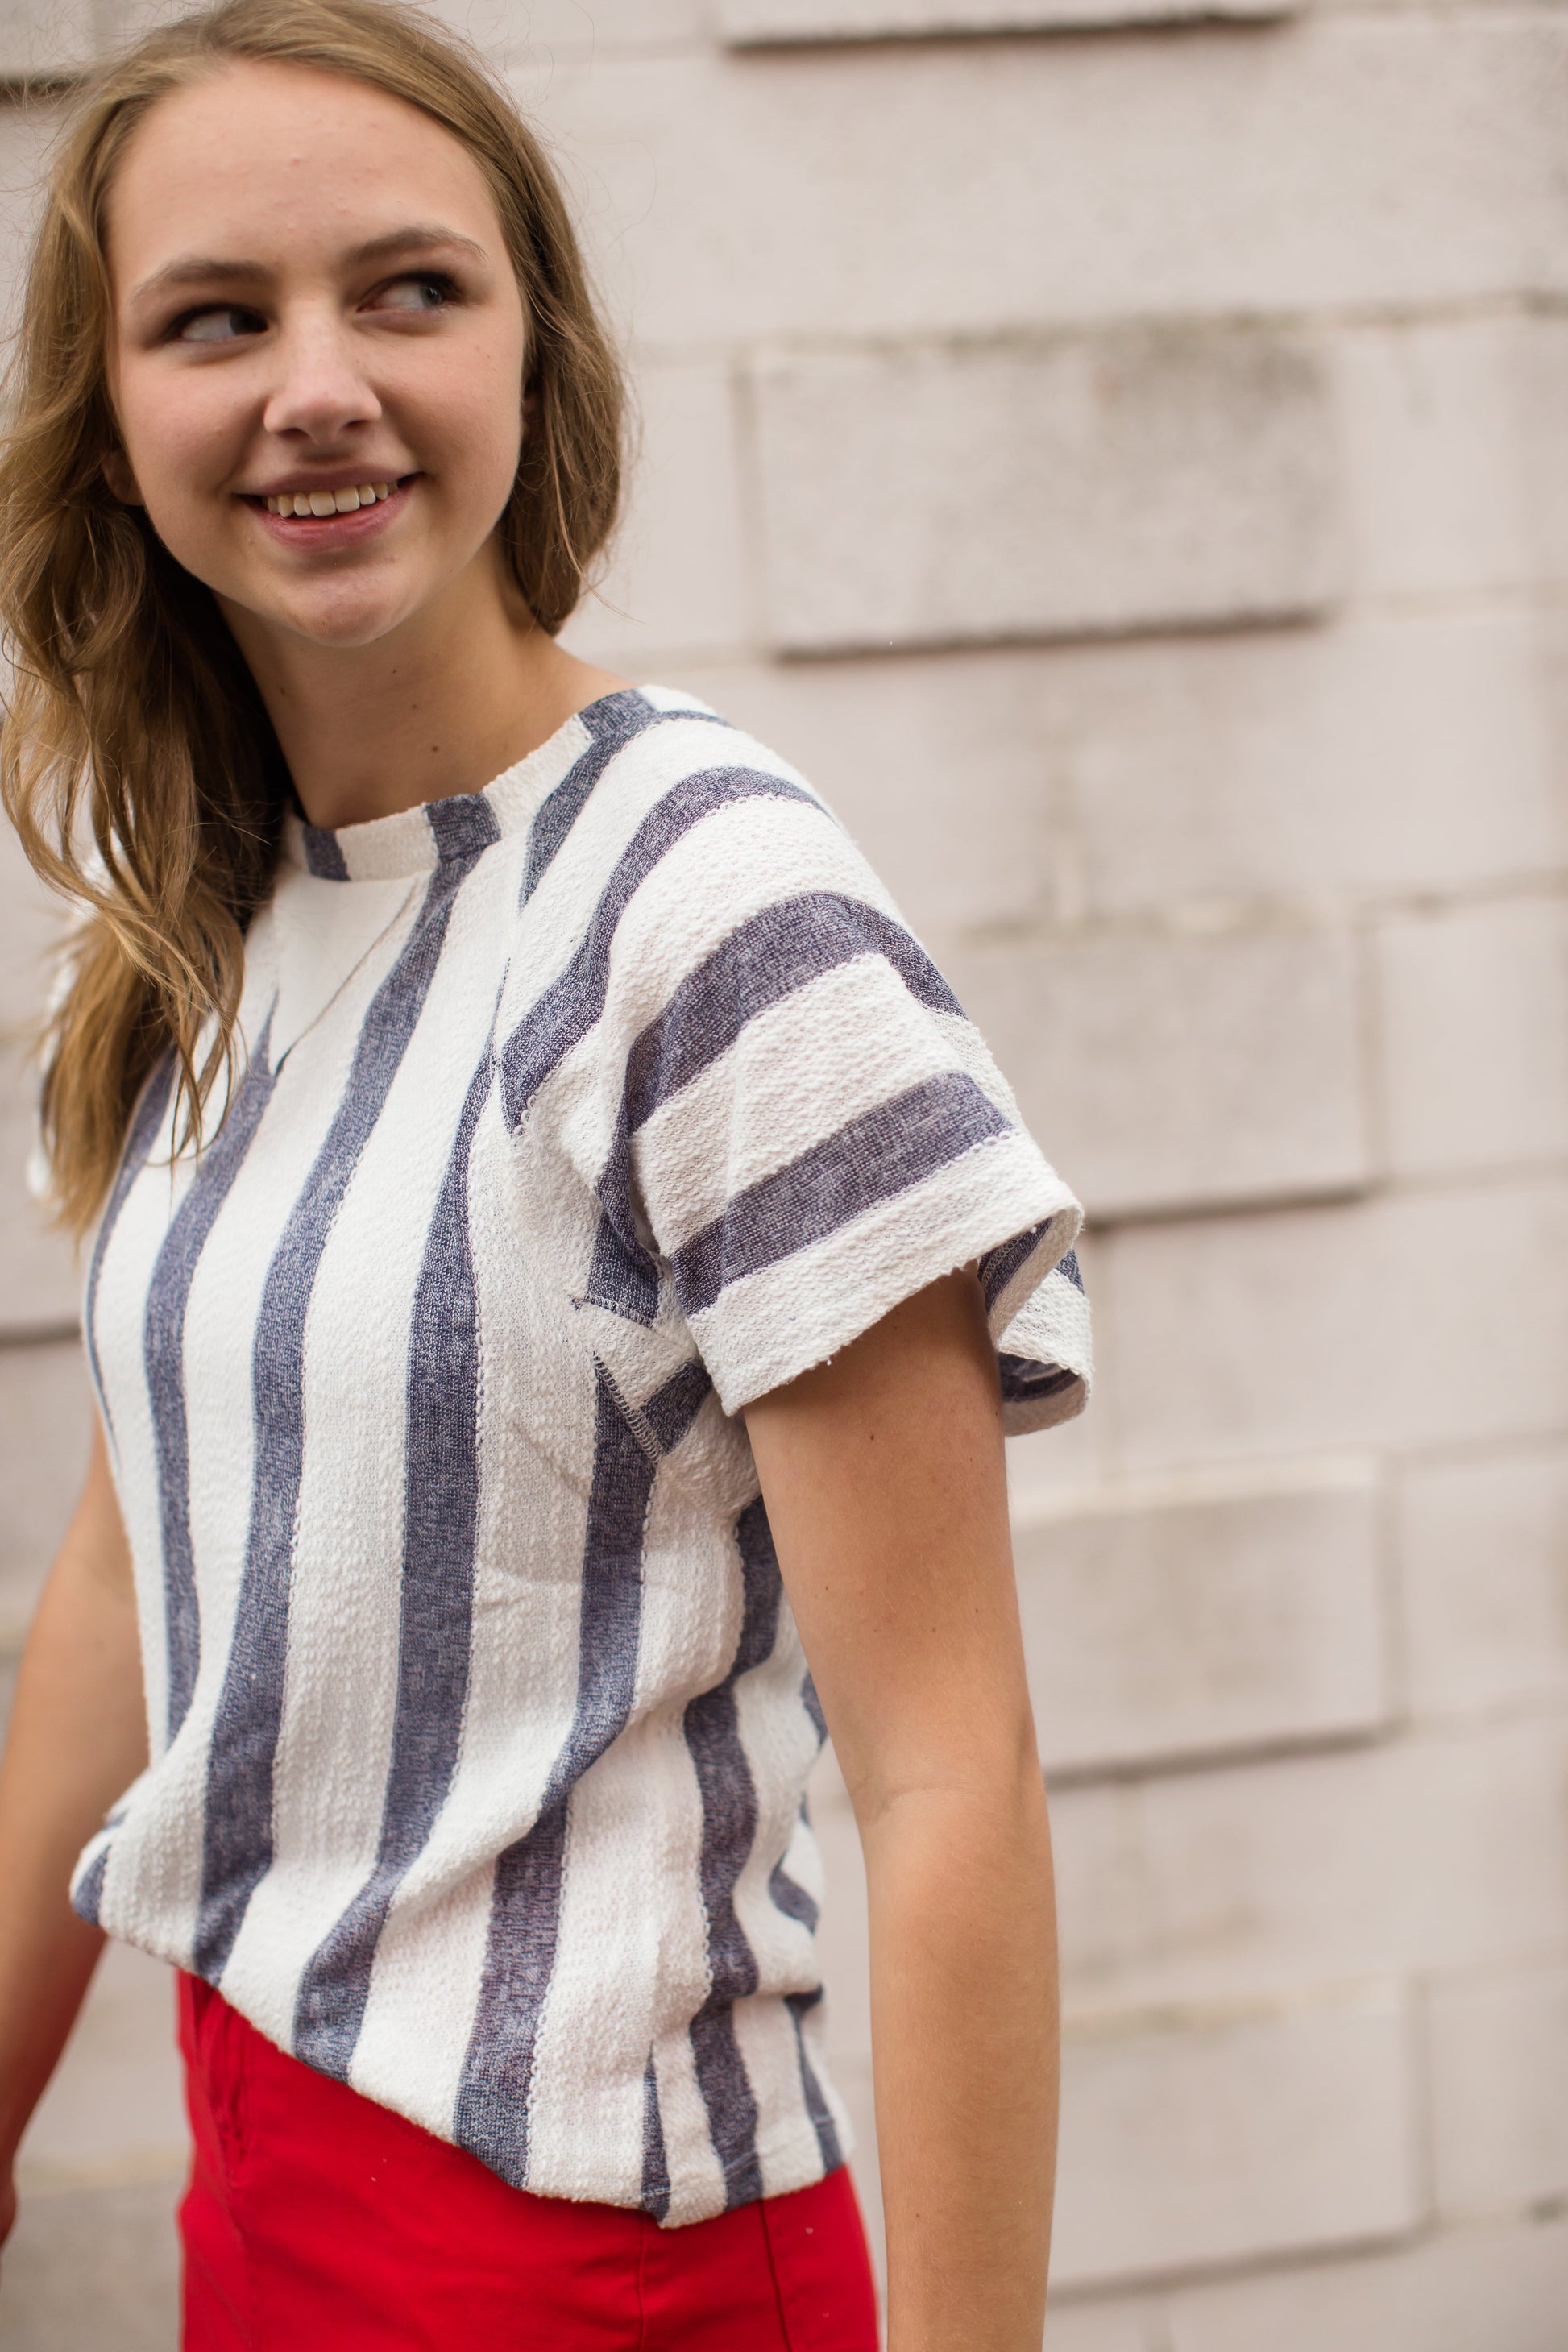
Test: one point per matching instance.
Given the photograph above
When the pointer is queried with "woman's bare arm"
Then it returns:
(883, 1477)
(77, 1738)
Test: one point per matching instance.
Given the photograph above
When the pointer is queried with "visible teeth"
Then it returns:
(328, 502)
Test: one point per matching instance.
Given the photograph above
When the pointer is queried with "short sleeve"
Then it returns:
(811, 1131)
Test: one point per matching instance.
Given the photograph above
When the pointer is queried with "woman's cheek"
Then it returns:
(478, 416)
(178, 449)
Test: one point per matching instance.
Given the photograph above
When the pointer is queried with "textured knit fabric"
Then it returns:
(570, 1115)
(317, 2221)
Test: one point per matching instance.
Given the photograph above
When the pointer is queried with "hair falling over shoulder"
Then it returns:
(136, 759)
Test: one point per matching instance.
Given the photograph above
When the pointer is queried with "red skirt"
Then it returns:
(316, 2219)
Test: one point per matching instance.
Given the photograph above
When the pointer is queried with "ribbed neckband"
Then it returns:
(417, 840)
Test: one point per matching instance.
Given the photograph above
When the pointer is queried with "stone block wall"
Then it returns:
(1123, 460)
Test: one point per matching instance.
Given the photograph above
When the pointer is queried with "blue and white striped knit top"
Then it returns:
(570, 1115)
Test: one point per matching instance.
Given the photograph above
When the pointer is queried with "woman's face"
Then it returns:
(313, 305)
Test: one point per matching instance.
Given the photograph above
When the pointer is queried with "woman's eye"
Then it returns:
(422, 294)
(219, 325)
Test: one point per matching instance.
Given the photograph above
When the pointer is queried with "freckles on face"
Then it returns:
(311, 300)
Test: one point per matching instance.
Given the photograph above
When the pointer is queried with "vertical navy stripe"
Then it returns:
(611, 722)
(464, 824)
(998, 1266)
(163, 1357)
(675, 1405)
(146, 1119)
(655, 2196)
(493, 2118)
(800, 2004)
(729, 1827)
(790, 1897)
(237, 1833)
(323, 855)
(440, 1519)
(88, 1900)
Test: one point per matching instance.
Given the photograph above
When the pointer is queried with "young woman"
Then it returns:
(556, 1235)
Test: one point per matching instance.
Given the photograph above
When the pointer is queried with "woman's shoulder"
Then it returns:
(663, 735)
(702, 878)
(693, 810)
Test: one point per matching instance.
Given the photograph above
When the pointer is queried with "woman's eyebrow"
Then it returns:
(193, 269)
(201, 269)
(419, 236)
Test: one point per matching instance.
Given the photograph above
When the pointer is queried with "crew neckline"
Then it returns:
(461, 824)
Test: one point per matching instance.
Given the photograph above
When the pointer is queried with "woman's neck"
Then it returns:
(441, 705)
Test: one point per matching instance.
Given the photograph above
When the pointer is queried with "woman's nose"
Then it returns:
(320, 389)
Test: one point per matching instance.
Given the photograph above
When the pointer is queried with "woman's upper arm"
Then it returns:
(882, 1473)
(95, 1541)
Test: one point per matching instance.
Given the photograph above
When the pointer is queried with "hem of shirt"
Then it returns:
(1026, 1417)
(956, 1235)
(1056, 1336)
(792, 2161)
(791, 2158)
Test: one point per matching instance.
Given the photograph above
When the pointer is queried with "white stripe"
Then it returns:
(614, 1944)
(118, 1332)
(838, 1048)
(787, 2149)
(803, 1858)
(767, 1327)
(518, 794)
(585, 2114)
(697, 2186)
(320, 936)
(331, 1763)
(410, 2055)
(1051, 1328)
(220, 1327)
(780, 1743)
(153, 1879)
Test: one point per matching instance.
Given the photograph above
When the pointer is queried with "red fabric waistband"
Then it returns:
(316, 2219)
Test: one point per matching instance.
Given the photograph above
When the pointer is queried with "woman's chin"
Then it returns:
(342, 617)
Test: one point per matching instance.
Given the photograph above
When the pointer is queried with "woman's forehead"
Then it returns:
(262, 161)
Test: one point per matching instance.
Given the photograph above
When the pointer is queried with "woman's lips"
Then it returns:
(341, 528)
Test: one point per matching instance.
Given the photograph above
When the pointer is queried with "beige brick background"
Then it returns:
(1124, 460)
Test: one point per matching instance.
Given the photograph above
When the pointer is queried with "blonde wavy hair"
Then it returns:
(131, 720)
